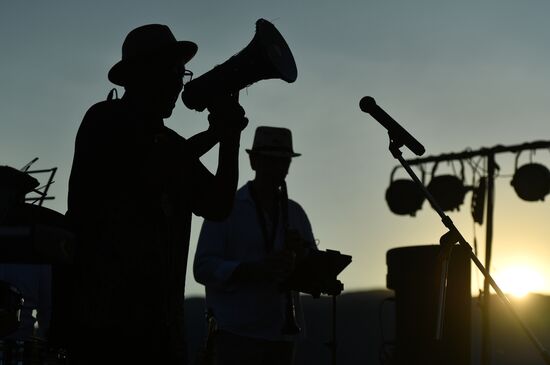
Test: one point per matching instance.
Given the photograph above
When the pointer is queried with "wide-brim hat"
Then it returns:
(149, 43)
(273, 141)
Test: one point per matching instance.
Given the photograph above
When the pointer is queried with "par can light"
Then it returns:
(448, 190)
(531, 181)
(404, 196)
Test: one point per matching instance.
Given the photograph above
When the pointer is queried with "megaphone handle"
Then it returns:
(218, 103)
(203, 142)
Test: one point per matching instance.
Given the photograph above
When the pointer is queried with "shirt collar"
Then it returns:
(244, 193)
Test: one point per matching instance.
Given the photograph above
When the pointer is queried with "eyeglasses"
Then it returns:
(172, 72)
(187, 76)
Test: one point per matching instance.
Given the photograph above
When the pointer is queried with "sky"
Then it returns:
(457, 74)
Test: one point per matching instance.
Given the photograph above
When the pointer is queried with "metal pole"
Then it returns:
(334, 343)
(486, 304)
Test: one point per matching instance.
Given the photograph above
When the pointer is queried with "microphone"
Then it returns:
(396, 132)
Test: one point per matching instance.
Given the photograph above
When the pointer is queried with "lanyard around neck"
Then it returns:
(269, 241)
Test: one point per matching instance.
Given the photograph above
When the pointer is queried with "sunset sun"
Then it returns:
(518, 281)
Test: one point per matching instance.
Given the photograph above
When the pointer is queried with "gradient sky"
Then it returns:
(456, 74)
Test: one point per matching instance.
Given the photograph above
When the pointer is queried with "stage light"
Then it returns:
(531, 181)
(403, 196)
(448, 190)
(477, 207)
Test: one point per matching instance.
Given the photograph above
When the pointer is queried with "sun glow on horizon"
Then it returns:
(519, 280)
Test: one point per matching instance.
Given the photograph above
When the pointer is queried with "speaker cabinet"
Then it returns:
(414, 273)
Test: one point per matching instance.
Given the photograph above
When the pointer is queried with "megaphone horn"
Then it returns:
(267, 56)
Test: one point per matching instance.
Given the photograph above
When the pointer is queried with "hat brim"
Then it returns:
(273, 153)
(186, 50)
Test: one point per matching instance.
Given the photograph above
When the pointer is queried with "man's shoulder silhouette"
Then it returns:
(107, 108)
(106, 115)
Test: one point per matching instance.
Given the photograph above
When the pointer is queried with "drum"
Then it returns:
(32, 234)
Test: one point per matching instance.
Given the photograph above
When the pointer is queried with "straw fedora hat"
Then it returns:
(149, 42)
(272, 141)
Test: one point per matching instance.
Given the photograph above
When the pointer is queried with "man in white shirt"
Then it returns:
(243, 260)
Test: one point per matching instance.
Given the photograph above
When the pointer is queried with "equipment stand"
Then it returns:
(332, 344)
(448, 240)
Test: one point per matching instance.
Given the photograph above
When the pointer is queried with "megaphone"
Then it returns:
(267, 56)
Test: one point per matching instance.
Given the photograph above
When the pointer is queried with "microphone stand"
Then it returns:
(447, 241)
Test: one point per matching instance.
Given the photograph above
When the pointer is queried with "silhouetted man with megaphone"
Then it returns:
(133, 187)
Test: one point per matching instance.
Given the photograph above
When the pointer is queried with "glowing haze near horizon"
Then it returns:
(457, 75)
